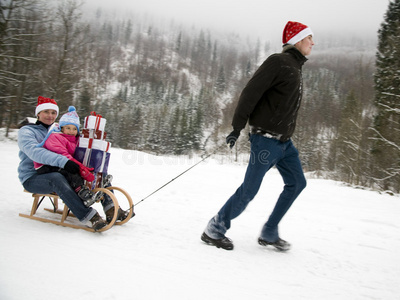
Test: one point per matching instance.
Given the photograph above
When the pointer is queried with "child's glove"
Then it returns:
(86, 173)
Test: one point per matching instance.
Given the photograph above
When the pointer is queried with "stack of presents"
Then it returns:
(93, 149)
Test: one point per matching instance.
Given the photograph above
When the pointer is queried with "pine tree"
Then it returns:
(84, 107)
(221, 83)
(387, 101)
(349, 140)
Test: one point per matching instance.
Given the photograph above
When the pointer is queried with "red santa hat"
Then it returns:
(295, 32)
(45, 103)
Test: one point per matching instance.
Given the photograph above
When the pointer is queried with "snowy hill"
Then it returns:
(345, 241)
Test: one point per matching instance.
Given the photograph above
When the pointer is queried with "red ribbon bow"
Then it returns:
(93, 113)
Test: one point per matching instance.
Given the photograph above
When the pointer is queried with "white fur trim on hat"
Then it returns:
(45, 106)
(45, 103)
(301, 35)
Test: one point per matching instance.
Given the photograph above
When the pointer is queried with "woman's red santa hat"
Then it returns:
(294, 32)
(45, 103)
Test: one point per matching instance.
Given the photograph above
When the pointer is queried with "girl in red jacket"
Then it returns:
(63, 139)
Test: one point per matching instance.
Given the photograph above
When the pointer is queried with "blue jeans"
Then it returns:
(56, 182)
(265, 153)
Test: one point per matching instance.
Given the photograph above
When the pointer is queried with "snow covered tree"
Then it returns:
(349, 140)
(84, 102)
(19, 21)
(387, 101)
(220, 85)
(62, 68)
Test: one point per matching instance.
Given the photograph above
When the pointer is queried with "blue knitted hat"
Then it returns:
(70, 118)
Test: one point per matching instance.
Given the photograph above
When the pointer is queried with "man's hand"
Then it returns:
(232, 138)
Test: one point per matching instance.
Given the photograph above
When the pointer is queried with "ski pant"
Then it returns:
(265, 153)
(55, 182)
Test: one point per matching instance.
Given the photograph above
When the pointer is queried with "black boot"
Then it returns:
(224, 243)
(88, 197)
(280, 244)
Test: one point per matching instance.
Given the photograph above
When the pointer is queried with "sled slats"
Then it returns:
(65, 212)
(56, 222)
(37, 198)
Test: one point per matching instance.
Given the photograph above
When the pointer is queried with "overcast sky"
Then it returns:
(264, 17)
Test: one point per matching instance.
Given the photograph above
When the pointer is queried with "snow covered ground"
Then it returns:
(345, 241)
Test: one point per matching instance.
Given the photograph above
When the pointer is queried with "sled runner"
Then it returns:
(65, 211)
(92, 152)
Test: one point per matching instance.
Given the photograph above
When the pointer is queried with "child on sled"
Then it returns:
(63, 139)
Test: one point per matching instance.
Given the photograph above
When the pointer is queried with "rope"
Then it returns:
(161, 187)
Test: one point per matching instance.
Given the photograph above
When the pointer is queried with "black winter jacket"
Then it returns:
(271, 99)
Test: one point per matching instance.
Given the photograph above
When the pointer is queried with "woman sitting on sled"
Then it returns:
(29, 137)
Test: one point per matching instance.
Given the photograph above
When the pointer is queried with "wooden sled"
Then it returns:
(38, 198)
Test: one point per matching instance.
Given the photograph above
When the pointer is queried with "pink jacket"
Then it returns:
(65, 145)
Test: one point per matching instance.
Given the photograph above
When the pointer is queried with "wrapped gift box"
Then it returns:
(96, 134)
(94, 144)
(97, 181)
(92, 150)
(97, 159)
(94, 158)
(94, 121)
